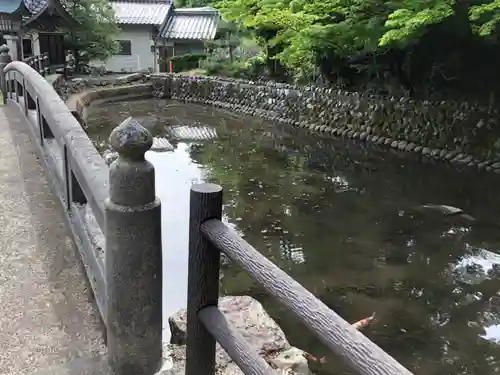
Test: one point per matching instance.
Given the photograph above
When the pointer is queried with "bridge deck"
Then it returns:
(47, 319)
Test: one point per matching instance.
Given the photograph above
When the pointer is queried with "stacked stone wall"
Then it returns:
(458, 132)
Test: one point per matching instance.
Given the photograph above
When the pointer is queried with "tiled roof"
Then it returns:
(55, 8)
(191, 23)
(34, 6)
(29, 10)
(145, 12)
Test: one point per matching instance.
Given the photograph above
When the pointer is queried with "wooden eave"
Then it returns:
(51, 9)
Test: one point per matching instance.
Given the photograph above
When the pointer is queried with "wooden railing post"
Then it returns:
(203, 278)
(133, 260)
(39, 65)
(46, 66)
(39, 62)
(5, 59)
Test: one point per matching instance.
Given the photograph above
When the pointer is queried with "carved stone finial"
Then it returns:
(130, 139)
(4, 48)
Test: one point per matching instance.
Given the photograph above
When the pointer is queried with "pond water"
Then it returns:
(344, 219)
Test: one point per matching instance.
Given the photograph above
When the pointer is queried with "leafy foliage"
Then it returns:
(95, 35)
(404, 24)
(485, 17)
(191, 3)
(187, 61)
(412, 42)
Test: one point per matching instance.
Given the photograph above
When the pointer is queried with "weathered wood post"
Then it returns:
(45, 64)
(39, 65)
(133, 259)
(203, 278)
(5, 59)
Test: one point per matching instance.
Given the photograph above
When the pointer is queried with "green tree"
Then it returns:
(421, 45)
(485, 17)
(94, 36)
(192, 3)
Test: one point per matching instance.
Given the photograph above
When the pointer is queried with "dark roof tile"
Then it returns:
(191, 23)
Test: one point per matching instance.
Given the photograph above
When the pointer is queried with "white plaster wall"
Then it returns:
(141, 37)
(36, 43)
(11, 40)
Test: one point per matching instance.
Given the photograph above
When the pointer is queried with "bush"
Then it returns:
(255, 66)
(252, 68)
(186, 62)
(225, 69)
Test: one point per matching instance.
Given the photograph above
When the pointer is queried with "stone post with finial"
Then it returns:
(5, 59)
(133, 258)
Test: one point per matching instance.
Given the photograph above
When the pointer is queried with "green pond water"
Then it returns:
(345, 220)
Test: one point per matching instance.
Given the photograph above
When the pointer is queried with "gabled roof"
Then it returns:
(191, 23)
(14, 14)
(51, 8)
(35, 6)
(141, 12)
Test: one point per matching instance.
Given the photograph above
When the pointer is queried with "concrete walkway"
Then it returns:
(48, 322)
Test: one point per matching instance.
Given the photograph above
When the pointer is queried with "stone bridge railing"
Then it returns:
(119, 204)
(112, 212)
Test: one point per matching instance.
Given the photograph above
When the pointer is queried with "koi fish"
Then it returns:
(363, 322)
(357, 325)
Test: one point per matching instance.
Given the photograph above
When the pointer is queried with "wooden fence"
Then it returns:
(206, 324)
(40, 63)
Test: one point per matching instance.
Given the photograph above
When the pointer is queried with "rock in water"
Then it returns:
(247, 315)
(109, 156)
(149, 122)
(259, 330)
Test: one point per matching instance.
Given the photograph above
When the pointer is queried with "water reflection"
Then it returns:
(175, 172)
(347, 221)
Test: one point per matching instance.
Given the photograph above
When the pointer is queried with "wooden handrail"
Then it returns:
(209, 236)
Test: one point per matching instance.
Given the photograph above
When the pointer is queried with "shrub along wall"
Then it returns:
(461, 133)
(187, 61)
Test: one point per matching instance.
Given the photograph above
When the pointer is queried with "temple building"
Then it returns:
(152, 31)
(33, 27)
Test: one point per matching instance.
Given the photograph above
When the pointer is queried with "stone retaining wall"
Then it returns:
(77, 85)
(78, 103)
(456, 132)
(460, 133)
(80, 93)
